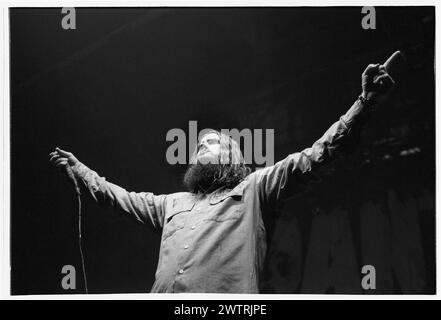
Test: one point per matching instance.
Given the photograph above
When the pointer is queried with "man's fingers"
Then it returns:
(60, 160)
(57, 161)
(385, 81)
(61, 164)
(380, 73)
(372, 69)
(63, 152)
(55, 156)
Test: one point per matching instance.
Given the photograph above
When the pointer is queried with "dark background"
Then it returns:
(110, 90)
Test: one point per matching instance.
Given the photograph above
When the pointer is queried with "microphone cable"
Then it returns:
(74, 181)
(80, 244)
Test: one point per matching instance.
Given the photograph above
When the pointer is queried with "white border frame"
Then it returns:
(5, 280)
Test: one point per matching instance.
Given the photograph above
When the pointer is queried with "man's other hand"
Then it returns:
(60, 158)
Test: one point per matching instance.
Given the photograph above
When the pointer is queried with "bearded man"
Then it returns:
(213, 235)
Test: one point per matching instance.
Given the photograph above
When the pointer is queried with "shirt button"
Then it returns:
(186, 246)
(181, 271)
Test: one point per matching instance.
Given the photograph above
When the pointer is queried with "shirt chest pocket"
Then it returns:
(226, 207)
(176, 219)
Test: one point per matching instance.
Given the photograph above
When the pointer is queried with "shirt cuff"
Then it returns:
(80, 170)
(357, 113)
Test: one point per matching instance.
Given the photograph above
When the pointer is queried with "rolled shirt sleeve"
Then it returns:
(300, 170)
(143, 206)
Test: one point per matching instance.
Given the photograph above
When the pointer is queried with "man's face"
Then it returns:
(209, 149)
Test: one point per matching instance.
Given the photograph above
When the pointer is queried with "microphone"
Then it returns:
(73, 179)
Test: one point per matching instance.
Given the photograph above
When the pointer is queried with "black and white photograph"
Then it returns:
(222, 150)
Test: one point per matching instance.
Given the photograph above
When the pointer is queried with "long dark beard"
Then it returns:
(209, 177)
(202, 177)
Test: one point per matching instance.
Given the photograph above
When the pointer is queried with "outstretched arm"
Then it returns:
(143, 206)
(299, 170)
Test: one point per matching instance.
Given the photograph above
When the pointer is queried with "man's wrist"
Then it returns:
(79, 169)
(358, 112)
(367, 101)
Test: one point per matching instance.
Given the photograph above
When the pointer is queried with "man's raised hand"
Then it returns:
(376, 83)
